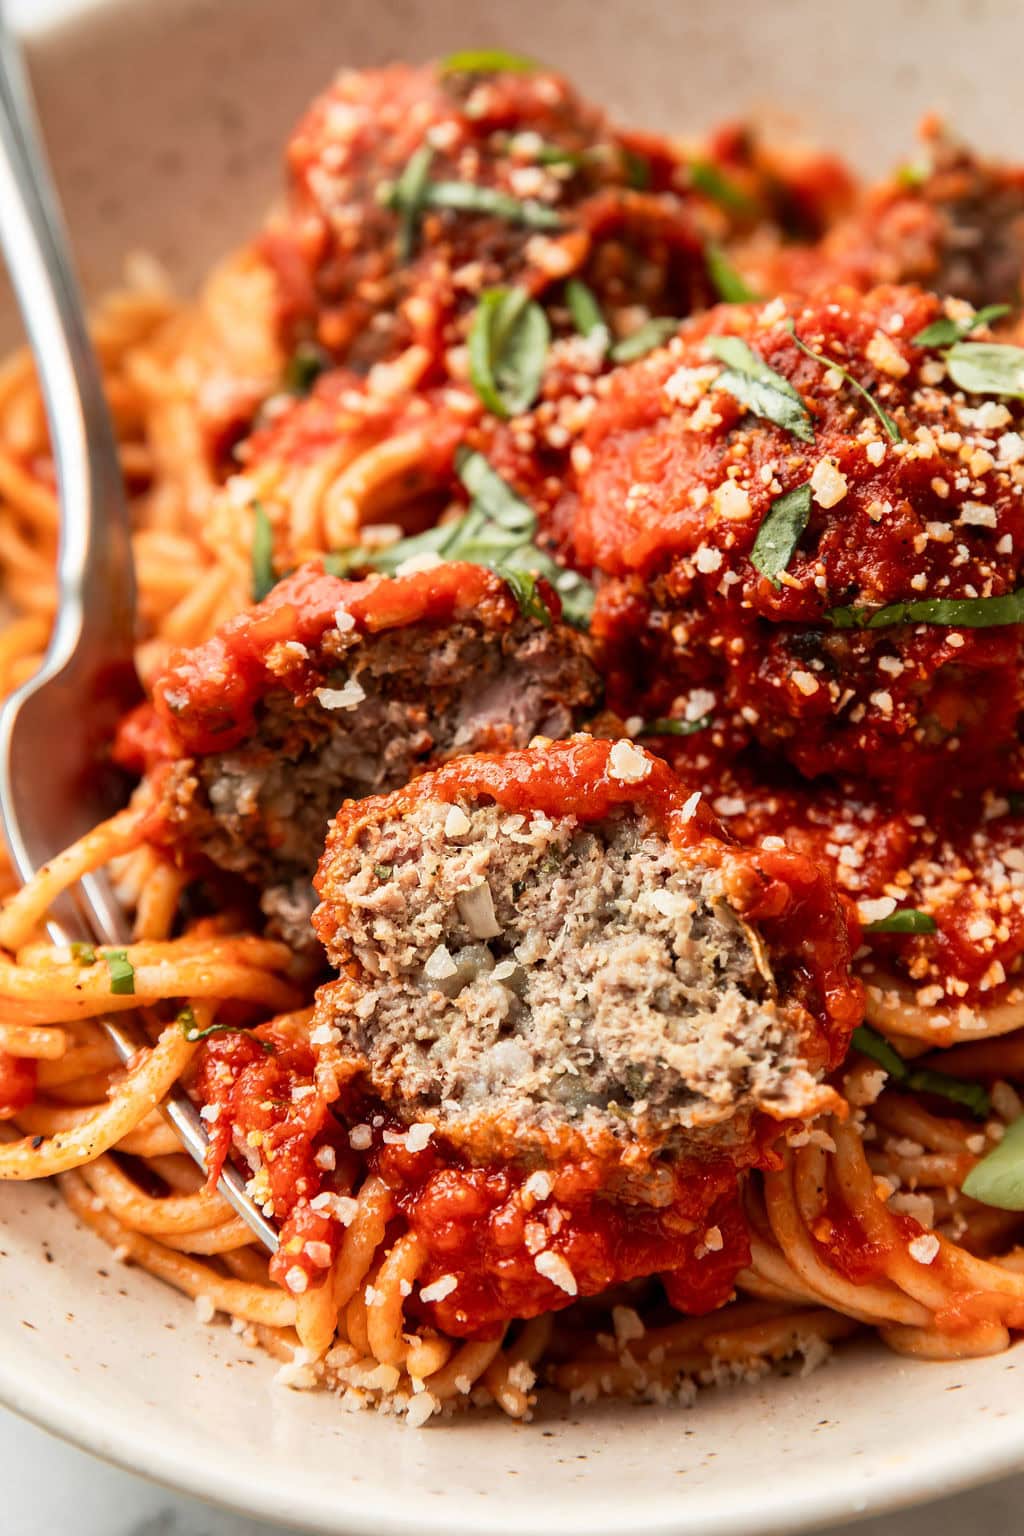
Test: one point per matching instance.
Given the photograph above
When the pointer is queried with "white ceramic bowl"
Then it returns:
(166, 120)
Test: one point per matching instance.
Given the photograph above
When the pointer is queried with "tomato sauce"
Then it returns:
(17, 1083)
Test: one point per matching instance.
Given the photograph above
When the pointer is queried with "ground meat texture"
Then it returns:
(679, 479)
(335, 689)
(342, 273)
(556, 946)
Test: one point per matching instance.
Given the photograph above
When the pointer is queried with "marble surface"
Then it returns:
(50, 1489)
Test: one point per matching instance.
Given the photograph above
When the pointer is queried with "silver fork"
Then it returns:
(53, 730)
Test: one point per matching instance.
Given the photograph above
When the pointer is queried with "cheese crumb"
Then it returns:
(627, 764)
(828, 483)
(439, 1289)
(456, 823)
(554, 1268)
(348, 697)
(924, 1249)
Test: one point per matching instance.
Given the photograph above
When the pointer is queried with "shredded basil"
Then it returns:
(383, 872)
(781, 532)
(827, 362)
(763, 391)
(487, 61)
(668, 726)
(644, 339)
(304, 367)
(920, 1079)
(907, 920)
(406, 198)
(193, 1034)
(508, 347)
(987, 368)
(468, 197)
(82, 954)
(637, 168)
(586, 312)
(498, 532)
(712, 182)
(122, 972)
(728, 284)
(263, 578)
(946, 332)
(999, 1178)
(957, 612)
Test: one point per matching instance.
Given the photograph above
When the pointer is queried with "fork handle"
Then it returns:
(95, 534)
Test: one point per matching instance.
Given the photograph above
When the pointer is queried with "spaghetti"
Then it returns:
(454, 383)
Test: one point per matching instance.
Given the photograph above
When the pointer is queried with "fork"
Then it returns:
(54, 728)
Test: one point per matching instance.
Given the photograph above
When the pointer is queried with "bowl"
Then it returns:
(166, 122)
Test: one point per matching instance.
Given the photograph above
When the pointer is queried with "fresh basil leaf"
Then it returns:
(487, 61)
(644, 339)
(728, 284)
(870, 1043)
(122, 972)
(82, 954)
(575, 593)
(987, 368)
(946, 332)
(407, 196)
(708, 179)
(907, 920)
(781, 532)
(264, 579)
(383, 872)
(919, 1079)
(956, 612)
(586, 312)
(668, 726)
(827, 362)
(637, 168)
(467, 197)
(523, 586)
(189, 1028)
(304, 367)
(508, 347)
(999, 1178)
(763, 391)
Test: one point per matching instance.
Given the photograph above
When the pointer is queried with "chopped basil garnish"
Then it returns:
(827, 362)
(383, 872)
(498, 532)
(586, 312)
(728, 284)
(83, 954)
(907, 920)
(987, 368)
(999, 1178)
(763, 391)
(957, 612)
(946, 332)
(919, 1079)
(637, 168)
(122, 972)
(780, 533)
(668, 726)
(193, 1034)
(263, 578)
(644, 339)
(304, 367)
(487, 61)
(708, 179)
(508, 346)
(467, 197)
(406, 199)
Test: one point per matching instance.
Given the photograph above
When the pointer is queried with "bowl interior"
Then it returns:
(166, 123)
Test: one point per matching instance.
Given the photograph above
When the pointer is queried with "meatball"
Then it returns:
(335, 688)
(414, 189)
(886, 485)
(954, 224)
(557, 949)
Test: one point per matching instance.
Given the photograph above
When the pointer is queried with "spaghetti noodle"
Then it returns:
(434, 359)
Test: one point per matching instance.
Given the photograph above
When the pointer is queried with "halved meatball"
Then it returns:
(556, 949)
(879, 486)
(334, 688)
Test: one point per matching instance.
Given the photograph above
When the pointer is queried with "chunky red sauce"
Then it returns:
(17, 1083)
